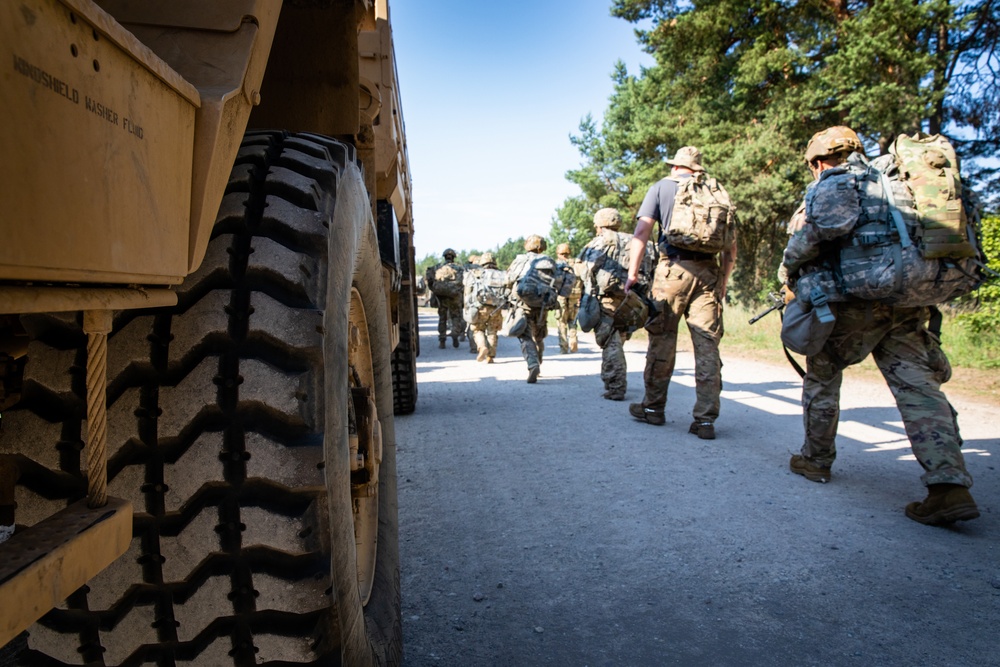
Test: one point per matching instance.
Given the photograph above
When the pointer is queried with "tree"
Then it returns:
(749, 81)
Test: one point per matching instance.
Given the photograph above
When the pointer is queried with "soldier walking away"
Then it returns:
(533, 339)
(605, 270)
(444, 280)
(905, 351)
(569, 305)
(697, 255)
(473, 262)
(485, 297)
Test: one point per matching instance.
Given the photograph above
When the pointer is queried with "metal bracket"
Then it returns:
(40, 566)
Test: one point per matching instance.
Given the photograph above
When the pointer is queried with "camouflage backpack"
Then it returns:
(703, 218)
(448, 280)
(606, 263)
(911, 242)
(543, 282)
(485, 287)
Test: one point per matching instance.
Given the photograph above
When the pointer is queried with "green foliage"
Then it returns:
(985, 319)
(750, 81)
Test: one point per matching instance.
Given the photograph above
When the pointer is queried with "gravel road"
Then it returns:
(541, 525)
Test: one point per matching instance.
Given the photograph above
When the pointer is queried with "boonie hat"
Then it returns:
(687, 156)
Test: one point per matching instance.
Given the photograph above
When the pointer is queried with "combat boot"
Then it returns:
(533, 374)
(945, 503)
(441, 343)
(704, 430)
(483, 353)
(647, 415)
(800, 465)
(454, 341)
(573, 346)
(613, 395)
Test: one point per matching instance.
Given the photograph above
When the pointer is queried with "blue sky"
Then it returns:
(491, 93)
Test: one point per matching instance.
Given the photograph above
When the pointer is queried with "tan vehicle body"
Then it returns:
(121, 140)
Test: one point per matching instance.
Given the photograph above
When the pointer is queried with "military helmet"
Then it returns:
(562, 249)
(535, 243)
(449, 253)
(833, 141)
(608, 217)
(474, 259)
(486, 259)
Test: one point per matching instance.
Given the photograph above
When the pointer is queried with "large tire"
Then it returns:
(231, 422)
(404, 370)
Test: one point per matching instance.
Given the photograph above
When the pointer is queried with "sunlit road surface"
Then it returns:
(541, 525)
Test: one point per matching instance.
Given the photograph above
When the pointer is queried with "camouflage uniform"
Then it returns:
(486, 322)
(913, 365)
(533, 339)
(449, 307)
(685, 288)
(470, 265)
(611, 340)
(569, 305)
(597, 273)
(908, 355)
(690, 285)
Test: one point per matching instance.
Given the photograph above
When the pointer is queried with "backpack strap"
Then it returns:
(897, 217)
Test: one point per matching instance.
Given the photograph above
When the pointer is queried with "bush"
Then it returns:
(985, 316)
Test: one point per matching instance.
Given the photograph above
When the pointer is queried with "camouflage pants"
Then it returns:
(533, 338)
(913, 366)
(484, 327)
(450, 312)
(567, 324)
(685, 288)
(612, 343)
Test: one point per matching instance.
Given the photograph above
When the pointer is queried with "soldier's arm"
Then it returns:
(637, 248)
(803, 247)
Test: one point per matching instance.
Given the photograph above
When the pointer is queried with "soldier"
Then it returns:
(533, 338)
(605, 261)
(569, 305)
(445, 281)
(687, 283)
(909, 357)
(484, 299)
(471, 263)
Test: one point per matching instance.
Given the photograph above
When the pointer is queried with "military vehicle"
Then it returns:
(207, 323)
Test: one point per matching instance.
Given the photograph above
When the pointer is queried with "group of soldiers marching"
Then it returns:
(624, 281)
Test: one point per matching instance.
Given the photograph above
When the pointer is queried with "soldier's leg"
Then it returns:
(671, 285)
(457, 322)
(704, 320)
(574, 345)
(442, 323)
(914, 367)
(613, 370)
(856, 332)
(540, 331)
(478, 335)
(529, 350)
(493, 326)
(562, 328)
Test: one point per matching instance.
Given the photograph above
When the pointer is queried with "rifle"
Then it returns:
(777, 301)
